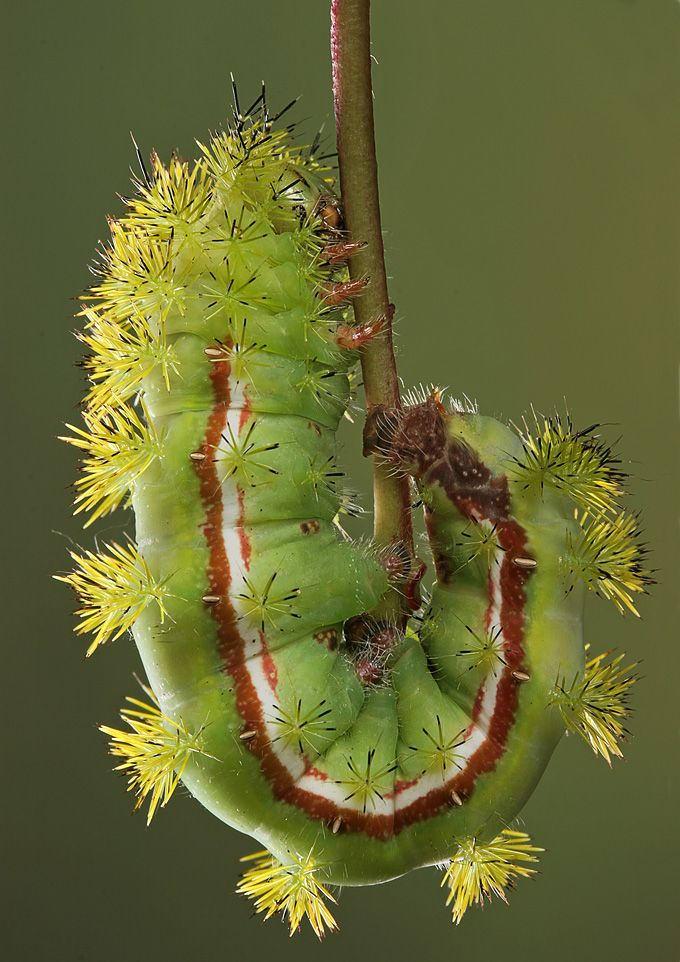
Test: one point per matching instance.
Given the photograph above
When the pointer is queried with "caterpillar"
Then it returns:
(352, 746)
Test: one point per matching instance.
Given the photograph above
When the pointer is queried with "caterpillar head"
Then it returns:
(431, 441)
(411, 439)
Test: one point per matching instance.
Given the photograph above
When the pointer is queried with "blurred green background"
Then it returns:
(529, 156)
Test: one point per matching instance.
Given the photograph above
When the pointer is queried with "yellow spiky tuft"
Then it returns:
(576, 463)
(240, 351)
(266, 605)
(366, 783)
(118, 448)
(478, 541)
(122, 356)
(478, 871)
(301, 727)
(155, 750)
(484, 650)
(291, 888)
(173, 201)
(609, 557)
(113, 587)
(254, 161)
(139, 276)
(595, 704)
(320, 384)
(439, 751)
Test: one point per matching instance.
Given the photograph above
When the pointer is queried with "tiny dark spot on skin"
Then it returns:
(328, 637)
(310, 527)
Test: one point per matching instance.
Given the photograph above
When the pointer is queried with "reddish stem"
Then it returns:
(353, 100)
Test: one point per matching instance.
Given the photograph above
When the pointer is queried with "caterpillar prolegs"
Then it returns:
(354, 747)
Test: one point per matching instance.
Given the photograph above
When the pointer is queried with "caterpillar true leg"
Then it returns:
(352, 337)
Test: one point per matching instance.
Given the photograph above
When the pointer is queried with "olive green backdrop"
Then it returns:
(529, 157)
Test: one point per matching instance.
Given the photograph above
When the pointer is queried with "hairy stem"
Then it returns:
(353, 100)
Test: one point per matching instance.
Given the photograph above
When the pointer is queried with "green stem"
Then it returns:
(353, 99)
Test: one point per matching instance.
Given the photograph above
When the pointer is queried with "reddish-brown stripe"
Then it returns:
(211, 496)
(231, 647)
(512, 539)
(230, 643)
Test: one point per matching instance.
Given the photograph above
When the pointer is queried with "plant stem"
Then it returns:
(353, 100)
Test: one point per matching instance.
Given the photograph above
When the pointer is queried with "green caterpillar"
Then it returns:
(353, 747)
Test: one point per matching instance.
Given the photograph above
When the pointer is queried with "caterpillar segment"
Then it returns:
(220, 363)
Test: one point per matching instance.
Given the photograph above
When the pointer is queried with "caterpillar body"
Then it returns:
(220, 365)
